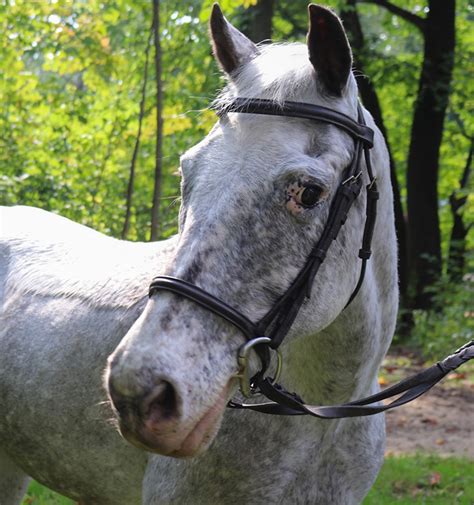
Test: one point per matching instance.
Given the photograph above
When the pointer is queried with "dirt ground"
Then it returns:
(441, 421)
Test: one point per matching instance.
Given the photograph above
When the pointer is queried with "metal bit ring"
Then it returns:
(242, 358)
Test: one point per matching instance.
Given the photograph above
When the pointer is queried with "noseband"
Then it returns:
(268, 333)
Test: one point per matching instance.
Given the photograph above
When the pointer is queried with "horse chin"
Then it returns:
(199, 439)
(179, 443)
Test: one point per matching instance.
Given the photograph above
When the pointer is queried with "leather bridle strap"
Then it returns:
(281, 316)
(206, 300)
(285, 403)
(371, 215)
(357, 130)
(276, 323)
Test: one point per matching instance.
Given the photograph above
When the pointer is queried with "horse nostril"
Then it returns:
(161, 404)
(119, 400)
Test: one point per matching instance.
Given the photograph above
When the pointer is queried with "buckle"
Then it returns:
(372, 183)
(352, 179)
(246, 388)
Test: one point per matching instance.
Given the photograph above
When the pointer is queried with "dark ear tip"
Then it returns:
(319, 10)
(216, 11)
(217, 19)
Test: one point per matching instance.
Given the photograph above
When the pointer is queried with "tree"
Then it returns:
(423, 159)
(424, 237)
(155, 212)
(257, 23)
(459, 230)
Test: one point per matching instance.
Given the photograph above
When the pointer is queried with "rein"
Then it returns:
(267, 334)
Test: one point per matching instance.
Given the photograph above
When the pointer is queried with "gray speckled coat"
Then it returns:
(70, 297)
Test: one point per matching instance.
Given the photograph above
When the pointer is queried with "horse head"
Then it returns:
(256, 195)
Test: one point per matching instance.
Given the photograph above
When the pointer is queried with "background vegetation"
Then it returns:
(98, 100)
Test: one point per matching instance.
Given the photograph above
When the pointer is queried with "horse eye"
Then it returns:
(310, 196)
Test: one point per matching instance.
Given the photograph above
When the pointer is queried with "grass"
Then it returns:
(39, 495)
(424, 479)
(404, 480)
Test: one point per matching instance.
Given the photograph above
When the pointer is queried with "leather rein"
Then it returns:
(267, 334)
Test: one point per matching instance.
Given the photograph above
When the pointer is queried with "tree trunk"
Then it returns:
(257, 21)
(457, 242)
(424, 239)
(370, 99)
(155, 211)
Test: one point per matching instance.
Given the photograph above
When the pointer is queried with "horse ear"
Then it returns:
(329, 49)
(231, 47)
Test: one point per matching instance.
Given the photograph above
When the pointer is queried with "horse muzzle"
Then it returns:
(154, 421)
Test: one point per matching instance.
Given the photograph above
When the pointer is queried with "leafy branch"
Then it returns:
(418, 21)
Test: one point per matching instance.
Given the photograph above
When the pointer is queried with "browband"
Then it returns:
(301, 110)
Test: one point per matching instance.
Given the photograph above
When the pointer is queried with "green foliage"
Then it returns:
(70, 83)
(39, 495)
(423, 479)
(440, 331)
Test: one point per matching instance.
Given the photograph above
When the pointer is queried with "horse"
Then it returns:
(85, 349)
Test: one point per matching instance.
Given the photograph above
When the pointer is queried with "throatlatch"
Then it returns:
(268, 333)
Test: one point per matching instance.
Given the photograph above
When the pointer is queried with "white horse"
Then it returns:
(69, 296)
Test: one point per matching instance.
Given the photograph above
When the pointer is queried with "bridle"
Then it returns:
(268, 333)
